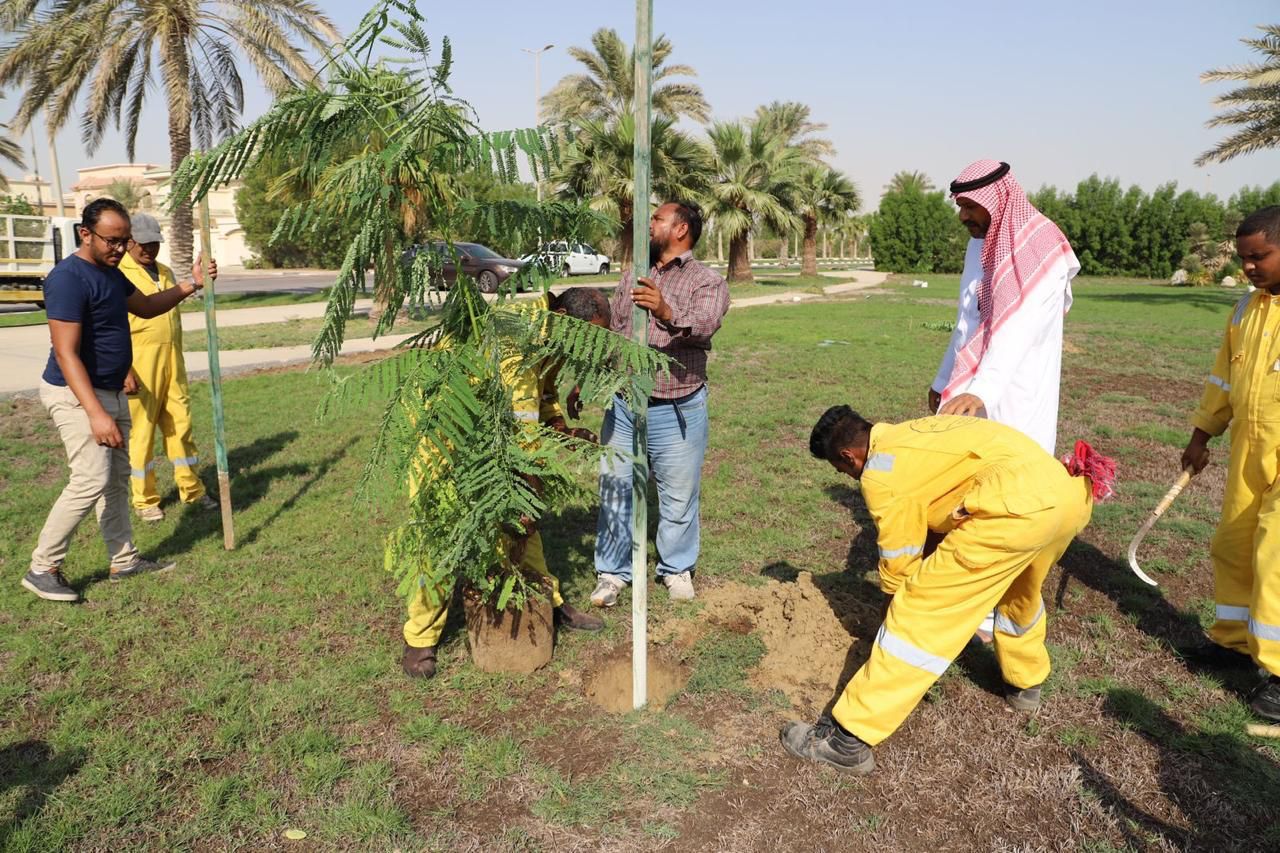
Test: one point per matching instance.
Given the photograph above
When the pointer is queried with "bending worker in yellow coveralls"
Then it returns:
(1007, 510)
(1243, 391)
(533, 398)
(157, 383)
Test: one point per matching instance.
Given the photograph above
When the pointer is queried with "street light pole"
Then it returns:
(536, 53)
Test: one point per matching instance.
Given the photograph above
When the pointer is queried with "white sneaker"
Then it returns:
(679, 587)
(606, 592)
(151, 513)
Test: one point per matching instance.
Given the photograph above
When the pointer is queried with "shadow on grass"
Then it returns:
(1206, 299)
(200, 524)
(1146, 608)
(247, 490)
(33, 765)
(1228, 791)
(261, 480)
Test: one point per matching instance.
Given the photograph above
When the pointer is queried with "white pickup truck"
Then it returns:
(571, 258)
(29, 247)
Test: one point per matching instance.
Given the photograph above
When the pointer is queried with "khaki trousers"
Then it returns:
(99, 481)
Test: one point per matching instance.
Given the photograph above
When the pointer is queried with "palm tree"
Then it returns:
(755, 178)
(11, 151)
(127, 192)
(909, 181)
(823, 196)
(1254, 108)
(599, 168)
(789, 120)
(607, 91)
(109, 51)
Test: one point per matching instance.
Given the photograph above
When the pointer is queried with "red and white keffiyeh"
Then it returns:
(1017, 255)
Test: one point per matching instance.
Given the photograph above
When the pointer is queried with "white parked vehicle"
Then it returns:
(29, 248)
(571, 258)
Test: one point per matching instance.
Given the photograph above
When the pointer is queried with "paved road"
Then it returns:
(24, 350)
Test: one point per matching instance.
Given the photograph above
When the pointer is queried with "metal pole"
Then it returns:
(215, 381)
(57, 175)
(537, 91)
(35, 166)
(640, 333)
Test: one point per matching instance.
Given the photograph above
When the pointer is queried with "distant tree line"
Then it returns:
(1114, 231)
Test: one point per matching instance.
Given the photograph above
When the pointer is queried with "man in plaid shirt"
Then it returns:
(686, 302)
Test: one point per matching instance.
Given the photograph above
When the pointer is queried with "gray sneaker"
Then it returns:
(606, 592)
(1022, 699)
(679, 587)
(51, 586)
(150, 513)
(141, 566)
(205, 502)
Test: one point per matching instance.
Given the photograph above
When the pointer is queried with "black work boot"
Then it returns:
(1265, 699)
(826, 743)
(418, 663)
(568, 616)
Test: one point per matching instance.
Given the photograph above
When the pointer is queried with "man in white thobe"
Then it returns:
(1004, 361)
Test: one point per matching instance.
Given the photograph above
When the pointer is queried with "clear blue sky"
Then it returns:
(1063, 92)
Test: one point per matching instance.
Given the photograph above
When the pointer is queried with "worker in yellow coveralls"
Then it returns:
(1243, 391)
(533, 398)
(157, 383)
(1007, 511)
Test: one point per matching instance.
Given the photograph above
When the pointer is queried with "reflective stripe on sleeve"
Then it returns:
(907, 653)
(904, 551)
(525, 416)
(1225, 386)
(187, 461)
(1232, 613)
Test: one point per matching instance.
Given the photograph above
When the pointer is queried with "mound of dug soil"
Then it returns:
(806, 640)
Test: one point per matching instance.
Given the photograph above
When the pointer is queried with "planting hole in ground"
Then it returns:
(610, 686)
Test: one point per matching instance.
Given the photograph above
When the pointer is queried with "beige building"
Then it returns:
(151, 185)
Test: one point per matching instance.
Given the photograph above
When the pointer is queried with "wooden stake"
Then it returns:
(1262, 730)
(640, 334)
(215, 380)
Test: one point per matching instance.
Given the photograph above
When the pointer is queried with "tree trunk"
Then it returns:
(740, 259)
(719, 243)
(824, 244)
(625, 209)
(782, 249)
(809, 266)
(177, 82)
(751, 248)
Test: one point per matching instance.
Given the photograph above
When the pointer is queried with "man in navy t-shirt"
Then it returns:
(88, 300)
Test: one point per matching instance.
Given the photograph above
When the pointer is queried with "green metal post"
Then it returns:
(640, 333)
(215, 380)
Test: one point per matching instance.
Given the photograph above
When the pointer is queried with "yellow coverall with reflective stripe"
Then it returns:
(533, 399)
(1008, 511)
(163, 399)
(1243, 391)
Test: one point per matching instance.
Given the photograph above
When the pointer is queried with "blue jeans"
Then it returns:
(677, 443)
